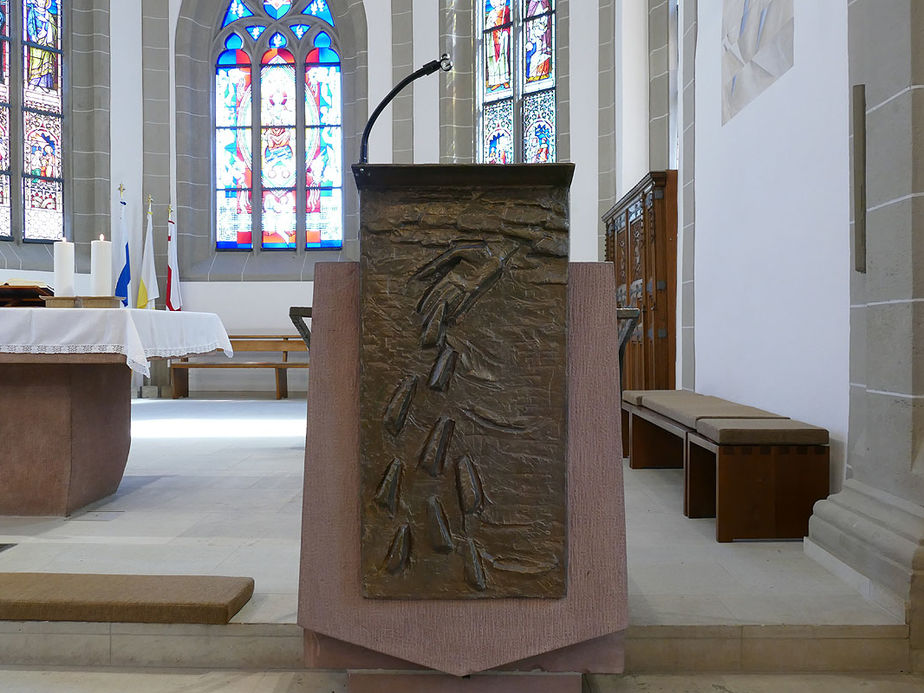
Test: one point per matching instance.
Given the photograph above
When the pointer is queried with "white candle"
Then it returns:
(101, 268)
(64, 268)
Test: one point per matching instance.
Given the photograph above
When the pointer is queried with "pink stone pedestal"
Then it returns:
(578, 633)
(65, 429)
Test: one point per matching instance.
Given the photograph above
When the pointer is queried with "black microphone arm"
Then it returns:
(444, 63)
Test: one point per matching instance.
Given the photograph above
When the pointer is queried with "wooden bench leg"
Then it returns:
(625, 433)
(767, 492)
(699, 482)
(652, 446)
(179, 379)
(282, 383)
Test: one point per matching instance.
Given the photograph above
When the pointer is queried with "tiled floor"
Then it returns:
(214, 487)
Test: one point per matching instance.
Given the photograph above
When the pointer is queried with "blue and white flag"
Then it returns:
(123, 287)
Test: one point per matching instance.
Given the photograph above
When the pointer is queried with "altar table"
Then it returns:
(65, 397)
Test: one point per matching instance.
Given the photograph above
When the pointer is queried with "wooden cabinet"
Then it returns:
(641, 241)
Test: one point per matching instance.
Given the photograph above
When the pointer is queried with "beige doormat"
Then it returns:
(122, 598)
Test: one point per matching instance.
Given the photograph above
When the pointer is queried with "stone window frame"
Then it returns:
(198, 24)
(86, 144)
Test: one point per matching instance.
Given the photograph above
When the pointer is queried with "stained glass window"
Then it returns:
(293, 107)
(42, 182)
(516, 92)
(5, 209)
(233, 145)
(31, 116)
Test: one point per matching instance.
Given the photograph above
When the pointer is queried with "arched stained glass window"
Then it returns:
(278, 138)
(33, 115)
(516, 85)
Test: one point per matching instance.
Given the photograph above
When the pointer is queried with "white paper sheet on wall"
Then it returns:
(757, 48)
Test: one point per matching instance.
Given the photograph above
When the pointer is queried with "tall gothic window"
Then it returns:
(516, 88)
(278, 127)
(31, 180)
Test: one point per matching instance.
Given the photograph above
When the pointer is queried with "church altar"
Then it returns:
(65, 395)
(135, 334)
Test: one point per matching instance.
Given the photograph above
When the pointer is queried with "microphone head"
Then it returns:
(445, 62)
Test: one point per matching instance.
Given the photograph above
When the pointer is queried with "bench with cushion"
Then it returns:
(757, 473)
(263, 344)
(759, 478)
(660, 420)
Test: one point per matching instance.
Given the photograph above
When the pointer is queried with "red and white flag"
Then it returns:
(174, 300)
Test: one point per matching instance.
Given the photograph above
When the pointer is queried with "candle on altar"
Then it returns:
(64, 268)
(101, 267)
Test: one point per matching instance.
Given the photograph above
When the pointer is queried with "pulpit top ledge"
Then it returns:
(383, 176)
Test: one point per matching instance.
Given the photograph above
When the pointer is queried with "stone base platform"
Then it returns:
(648, 649)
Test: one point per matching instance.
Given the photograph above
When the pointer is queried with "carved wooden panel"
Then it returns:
(643, 228)
(463, 381)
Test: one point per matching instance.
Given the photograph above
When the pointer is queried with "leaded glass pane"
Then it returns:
(497, 64)
(255, 31)
(323, 156)
(233, 97)
(537, 53)
(539, 127)
(43, 201)
(276, 8)
(42, 88)
(232, 158)
(319, 9)
(300, 29)
(325, 218)
(42, 145)
(5, 211)
(4, 140)
(236, 10)
(278, 146)
(41, 23)
(233, 219)
(277, 85)
(322, 95)
(277, 40)
(279, 219)
(496, 13)
(533, 7)
(498, 132)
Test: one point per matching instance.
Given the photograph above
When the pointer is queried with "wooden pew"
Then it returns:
(283, 344)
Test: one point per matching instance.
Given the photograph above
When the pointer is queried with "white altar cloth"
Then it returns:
(136, 334)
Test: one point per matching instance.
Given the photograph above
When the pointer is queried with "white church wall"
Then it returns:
(125, 123)
(631, 94)
(583, 60)
(772, 255)
(426, 30)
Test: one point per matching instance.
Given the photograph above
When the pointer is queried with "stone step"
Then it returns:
(649, 649)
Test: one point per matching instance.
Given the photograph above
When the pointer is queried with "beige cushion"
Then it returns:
(741, 431)
(688, 410)
(635, 396)
(122, 598)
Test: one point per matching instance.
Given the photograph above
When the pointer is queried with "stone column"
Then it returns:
(872, 532)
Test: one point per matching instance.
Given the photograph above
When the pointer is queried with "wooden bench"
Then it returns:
(283, 344)
(757, 473)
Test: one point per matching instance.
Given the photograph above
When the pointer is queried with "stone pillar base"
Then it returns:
(874, 541)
